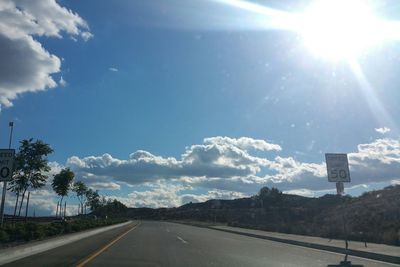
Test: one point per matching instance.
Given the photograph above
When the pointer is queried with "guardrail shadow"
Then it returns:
(345, 263)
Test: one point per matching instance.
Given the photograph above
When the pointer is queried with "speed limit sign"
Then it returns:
(6, 164)
(338, 168)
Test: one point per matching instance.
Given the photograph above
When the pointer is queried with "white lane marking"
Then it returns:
(181, 239)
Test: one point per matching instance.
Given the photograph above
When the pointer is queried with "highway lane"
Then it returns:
(170, 244)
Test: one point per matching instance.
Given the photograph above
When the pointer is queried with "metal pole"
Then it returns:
(11, 124)
(345, 224)
(340, 192)
(3, 197)
(3, 200)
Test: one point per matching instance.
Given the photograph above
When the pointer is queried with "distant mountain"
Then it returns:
(372, 217)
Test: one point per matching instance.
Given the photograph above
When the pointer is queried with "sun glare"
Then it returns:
(340, 29)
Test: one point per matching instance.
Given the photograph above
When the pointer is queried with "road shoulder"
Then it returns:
(379, 252)
(20, 252)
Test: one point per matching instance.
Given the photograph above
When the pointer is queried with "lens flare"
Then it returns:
(341, 29)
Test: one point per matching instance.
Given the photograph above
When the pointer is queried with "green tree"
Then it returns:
(31, 167)
(62, 183)
(269, 196)
(80, 189)
(110, 207)
(93, 199)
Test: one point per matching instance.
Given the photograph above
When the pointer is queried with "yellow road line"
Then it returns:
(97, 253)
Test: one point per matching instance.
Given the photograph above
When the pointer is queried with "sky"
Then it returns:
(158, 104)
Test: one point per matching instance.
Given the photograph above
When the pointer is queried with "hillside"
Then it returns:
(372, 217)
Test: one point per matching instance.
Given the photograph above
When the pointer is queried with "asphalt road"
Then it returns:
(170, 244)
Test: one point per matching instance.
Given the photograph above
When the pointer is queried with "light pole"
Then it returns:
(11, 125)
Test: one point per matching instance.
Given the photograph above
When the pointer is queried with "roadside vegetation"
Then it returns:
(35, 231)
(31, 172)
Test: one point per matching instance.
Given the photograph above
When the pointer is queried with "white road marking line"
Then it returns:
(181, 239)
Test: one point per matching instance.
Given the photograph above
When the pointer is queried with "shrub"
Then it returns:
(3, 236)
(390, 237)
(33, 231)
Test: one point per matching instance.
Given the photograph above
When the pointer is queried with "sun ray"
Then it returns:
(375, 105)
(274, 18)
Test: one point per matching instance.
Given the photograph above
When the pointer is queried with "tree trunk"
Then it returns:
(57, 209)
(22, 201)
(16, 205)
(65, 208)
(27, 206)
(60, 215)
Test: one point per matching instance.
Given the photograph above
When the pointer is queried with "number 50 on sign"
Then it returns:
(6, 164)
(338, 168)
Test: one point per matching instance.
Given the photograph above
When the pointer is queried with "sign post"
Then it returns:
(337, 166)
(6, 172)
(338, 170)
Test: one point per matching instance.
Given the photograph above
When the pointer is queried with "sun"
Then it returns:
(340, 29)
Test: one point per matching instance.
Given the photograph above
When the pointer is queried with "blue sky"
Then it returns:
(161, 77)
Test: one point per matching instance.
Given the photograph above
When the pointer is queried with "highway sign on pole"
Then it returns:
(6, 164)
(338, 168)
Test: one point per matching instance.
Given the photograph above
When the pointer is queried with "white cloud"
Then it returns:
(216, 158)
(223, 168)
(382, 130)
(162, 194)
(62, 82)
(223, 163)
(375, 162)
(25, 65)
(113, 69)
(244, 143)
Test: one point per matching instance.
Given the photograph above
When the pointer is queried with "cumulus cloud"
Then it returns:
(375, 162)
(244, 143)
(163, 194)
(25, 65)
(212, 194)
(382, 130)
(217, 157)
(228, 164)
(224, 168)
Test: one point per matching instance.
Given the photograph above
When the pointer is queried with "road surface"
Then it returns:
(169, 244)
